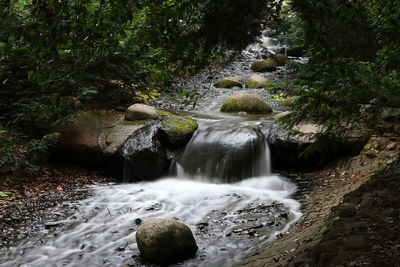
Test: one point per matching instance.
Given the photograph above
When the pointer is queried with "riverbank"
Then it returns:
(351, 214)
(29, 206)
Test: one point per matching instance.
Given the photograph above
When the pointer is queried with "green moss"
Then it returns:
(245, 102)
(177, 130)
(163, 112)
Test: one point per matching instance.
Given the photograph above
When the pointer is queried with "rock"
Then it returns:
(114, 138)
(264, 65)
(144, 155)
(177, 130)
(257, 81)
(295, 51)
(285, 150)
(165, 242)
(141, 112)
(245, 102)
(80, 140)
(229, 82)
(280, 59)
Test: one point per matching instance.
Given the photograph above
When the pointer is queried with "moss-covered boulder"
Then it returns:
(176, 131)
(264, 65)
(245, 102)
(165, 242)
(257, 81)
(229, 82)
(280, 59)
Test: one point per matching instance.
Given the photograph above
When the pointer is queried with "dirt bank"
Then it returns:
(351, 215)
(25, 202)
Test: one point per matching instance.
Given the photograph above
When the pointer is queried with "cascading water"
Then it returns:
(223, 190)
(225, 153)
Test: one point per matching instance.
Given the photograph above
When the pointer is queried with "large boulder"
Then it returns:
(164, 242)
(229, 82)
(285, 150)
(141, 112)
(177, 130)
(280, 59)
(257, 81)
(80, 139)
(264, 65)
(144, 155)
(245, 102)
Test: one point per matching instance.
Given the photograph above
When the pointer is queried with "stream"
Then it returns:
(221, 186)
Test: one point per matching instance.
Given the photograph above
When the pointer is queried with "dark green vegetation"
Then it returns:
(57, 57)
(353, 73)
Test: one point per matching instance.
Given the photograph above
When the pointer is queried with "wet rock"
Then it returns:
(257, 81)
(141, 112)
(144, 155)
(113, 139)
(229, 82)
(165, 241)
(177, 130)
(280, 59)
(245, 102)
(264, 65)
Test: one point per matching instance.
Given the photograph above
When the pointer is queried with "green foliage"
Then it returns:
(354, 67)
(57, 57)
(19, 155)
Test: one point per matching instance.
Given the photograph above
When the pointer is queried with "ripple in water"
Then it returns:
(229, 221)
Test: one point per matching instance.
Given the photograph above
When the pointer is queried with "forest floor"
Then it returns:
(352, 214)
(25, 202)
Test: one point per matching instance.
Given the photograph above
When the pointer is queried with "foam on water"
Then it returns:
(102, 232)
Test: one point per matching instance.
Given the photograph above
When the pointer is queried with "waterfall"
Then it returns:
(225, 154)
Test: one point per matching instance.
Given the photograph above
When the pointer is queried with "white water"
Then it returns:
(229, 221)
(102, 233)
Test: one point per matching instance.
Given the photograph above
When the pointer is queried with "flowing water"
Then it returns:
(221, 186)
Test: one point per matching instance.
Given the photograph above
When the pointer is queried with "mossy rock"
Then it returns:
(229, 82)
(257, 81)
(177, 130)
(280, 59)
(165, 242)
(264, 65)
(245, 102)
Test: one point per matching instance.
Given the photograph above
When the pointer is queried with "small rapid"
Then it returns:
(229, 221)
(221, 185)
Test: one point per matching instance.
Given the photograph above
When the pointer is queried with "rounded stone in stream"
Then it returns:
(280, 59)
(245, 102)
(165, 241)
(257, 81)
(264, 65)
(141, 112)
(229, 82)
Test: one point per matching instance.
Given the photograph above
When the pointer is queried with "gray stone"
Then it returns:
(257, 81)
(141, 112)
(165, 241)
(264, 65)
(229, 82)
